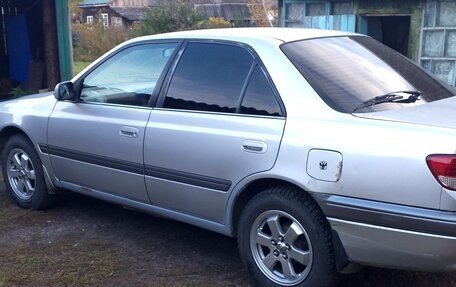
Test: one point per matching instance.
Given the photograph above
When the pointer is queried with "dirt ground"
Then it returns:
(86, 242)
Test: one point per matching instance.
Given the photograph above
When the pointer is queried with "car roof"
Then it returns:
(241, 34)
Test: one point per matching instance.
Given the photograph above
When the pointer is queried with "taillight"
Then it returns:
(443, 167)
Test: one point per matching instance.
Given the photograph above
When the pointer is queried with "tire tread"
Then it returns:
(42, 199)
(303, 199)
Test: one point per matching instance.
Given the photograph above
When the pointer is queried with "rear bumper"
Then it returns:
(393, 236)
(394, 248)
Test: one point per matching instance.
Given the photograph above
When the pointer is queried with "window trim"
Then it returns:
(161, 88)
(434, 27)
(117, 21)
(248, 81)
(256, 61)
(105, 16)
(245, 87)
(89, 19)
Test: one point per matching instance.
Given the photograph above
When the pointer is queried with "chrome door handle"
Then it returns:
(254, 146)
(129, 132)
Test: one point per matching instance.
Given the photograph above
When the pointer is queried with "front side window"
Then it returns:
(209, 77)
(348, 71)
(89, 19)
(129, 77)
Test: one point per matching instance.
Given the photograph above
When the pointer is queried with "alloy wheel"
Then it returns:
(21, 174)
(281, 248)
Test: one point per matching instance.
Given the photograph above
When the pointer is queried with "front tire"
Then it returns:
(285, 240)
(23, 174)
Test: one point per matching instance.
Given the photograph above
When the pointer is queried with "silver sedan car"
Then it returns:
(321, 151)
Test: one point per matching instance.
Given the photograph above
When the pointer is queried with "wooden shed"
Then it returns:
(35, 45)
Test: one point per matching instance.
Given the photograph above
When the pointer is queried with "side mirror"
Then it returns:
(64, 91)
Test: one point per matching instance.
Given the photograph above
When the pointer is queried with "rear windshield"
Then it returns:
(347, 71)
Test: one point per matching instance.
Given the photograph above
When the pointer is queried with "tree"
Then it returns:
(75, 12)
(173, 15)
(92, 41)
(259, 13)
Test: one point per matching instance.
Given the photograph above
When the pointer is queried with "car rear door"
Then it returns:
(219, 120)
(96, 143)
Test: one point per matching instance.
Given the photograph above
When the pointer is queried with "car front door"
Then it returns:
(218, 122)
(95, 143)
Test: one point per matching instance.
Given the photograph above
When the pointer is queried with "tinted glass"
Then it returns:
(347, 71)
(259, 99)
(209, 77)
(129, 77)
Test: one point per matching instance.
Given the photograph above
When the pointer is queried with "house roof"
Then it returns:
(196, 2)
(93, 3)
(228, 11)
(131, 13)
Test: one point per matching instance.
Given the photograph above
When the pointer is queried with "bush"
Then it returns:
(173, 15)
(214, 22)
(92, 41)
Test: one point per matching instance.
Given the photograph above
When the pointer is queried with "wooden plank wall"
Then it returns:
(382, 5)
(332, 22)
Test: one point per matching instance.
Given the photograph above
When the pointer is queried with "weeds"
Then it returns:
(92, 41)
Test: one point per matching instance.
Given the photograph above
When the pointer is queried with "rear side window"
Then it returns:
(259, 98)
(209, 77)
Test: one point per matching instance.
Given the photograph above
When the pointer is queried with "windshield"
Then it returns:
(348, 71)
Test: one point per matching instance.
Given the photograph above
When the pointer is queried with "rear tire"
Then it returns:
(23, 174)
(285, 240)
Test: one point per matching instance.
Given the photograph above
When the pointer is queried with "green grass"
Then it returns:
(79, 66)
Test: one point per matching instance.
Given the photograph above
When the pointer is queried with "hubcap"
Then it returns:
(21, 174)
(281, 248)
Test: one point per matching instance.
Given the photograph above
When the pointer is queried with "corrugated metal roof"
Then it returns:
(227, 11)
(131, 13)
(93, 2)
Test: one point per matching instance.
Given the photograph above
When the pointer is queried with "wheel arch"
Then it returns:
(250, 190)
(9, 131)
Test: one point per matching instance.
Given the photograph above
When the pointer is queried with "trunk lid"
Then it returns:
(440, 113)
